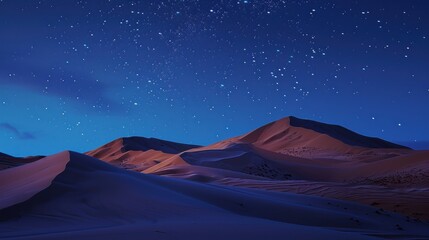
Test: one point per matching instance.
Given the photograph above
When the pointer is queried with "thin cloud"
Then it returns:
(15, 131)
(81, 88)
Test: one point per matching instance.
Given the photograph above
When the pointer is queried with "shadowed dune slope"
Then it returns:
(144, 144)
(7, 161)
(141, 144)
(342, 134)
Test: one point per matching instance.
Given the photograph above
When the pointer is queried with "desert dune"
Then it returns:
(293, 179)
(317, 154)
(20, 183)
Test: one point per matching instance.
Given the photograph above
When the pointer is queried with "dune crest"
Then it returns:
(20, 183)
(138, 153)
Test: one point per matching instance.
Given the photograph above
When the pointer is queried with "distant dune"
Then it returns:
(7, 161)
(292, 178)
(417, 145)
(138, 153)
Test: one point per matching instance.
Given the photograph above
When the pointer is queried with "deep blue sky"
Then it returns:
(77, 74)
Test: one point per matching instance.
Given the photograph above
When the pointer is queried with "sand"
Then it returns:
(23, 182)
(302, 150)
(290, 179)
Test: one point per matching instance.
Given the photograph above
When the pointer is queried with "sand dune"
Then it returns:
(138, 153)
(22, 182)
(93, 200)
(291, 178)
(7, 161)
(312, 139)
(297, 149)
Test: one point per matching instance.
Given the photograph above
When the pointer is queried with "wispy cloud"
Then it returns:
(15, 131)
(81, 88)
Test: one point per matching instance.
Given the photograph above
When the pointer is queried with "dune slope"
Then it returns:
(20, 183)
(7, 161)
(138, 153)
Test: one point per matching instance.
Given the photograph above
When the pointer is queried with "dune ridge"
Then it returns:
(20, 183)
(138, 153)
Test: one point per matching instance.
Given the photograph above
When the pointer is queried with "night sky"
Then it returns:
(78, 74)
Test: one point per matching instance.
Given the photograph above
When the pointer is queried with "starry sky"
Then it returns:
(78, 74)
